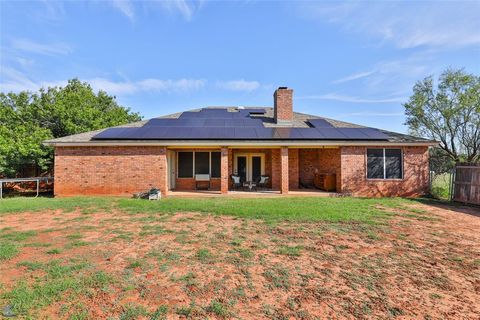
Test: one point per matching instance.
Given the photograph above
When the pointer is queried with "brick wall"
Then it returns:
(308, 163)
(109, 170)
(185, 184)
(293, 171)
(414, 183)
(319, 160)
(329, 162)
(276, 169)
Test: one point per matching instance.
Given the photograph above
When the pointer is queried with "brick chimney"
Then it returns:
(283, 105)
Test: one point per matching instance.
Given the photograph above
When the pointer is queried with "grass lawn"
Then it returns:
(218, 258)
(268, 209)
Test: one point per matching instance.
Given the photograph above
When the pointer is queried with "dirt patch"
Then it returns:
(422, 263)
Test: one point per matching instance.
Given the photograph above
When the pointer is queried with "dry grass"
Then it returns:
(423, 261)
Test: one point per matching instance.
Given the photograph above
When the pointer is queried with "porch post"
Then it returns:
(284, 176)
(224, 170)
(164, 171)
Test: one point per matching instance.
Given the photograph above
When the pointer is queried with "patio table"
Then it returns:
(250, 185)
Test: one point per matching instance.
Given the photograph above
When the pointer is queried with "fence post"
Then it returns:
(451, 184)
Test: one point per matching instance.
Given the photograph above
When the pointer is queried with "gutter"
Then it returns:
(237, 143)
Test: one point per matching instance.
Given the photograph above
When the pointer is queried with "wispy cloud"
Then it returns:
(186, 8)
(351, 99)
(239, 85)
(125, 7)
(407, 24)
(50, 49)
(394, 77)
(13, 80)
(354, 76)
(371, 114)
(50, 11)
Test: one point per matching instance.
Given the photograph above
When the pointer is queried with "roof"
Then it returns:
(238, 125)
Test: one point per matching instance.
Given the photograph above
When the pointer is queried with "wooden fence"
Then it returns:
(466, 184)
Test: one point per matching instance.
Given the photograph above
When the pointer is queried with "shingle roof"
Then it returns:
(299, 121)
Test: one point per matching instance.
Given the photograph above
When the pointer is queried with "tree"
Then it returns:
(449, 114)
(27, 119)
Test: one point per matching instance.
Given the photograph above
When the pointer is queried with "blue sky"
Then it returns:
(352, 61)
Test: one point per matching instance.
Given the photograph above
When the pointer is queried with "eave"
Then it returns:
(236, 143)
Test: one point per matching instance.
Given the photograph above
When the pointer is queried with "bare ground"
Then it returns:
(424, 263)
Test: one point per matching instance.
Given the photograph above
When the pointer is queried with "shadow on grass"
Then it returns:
(459, 207)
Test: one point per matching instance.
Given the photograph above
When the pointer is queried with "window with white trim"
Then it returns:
(198, 162)
(384, 163)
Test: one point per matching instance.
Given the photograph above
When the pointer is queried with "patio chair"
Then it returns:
(236, 182)
(263, 182)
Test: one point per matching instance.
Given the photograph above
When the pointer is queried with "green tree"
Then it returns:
(27, 119)
(449, 113)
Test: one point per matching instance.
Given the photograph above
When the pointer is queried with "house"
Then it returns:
(294, 150)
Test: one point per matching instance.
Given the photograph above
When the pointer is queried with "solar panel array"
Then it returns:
(320, 123)
(220, 124)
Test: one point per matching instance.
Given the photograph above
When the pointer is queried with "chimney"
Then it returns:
(283, 105)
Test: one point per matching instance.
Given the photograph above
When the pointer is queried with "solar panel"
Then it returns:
(295, 134)
(264, 133)
(353, 133)
(374, 133)
(215, 122)
(245, 133)
(309, 133)
(196, 133)
(320, 123)
(282, 133)
(189, 114)
(213, 113)
(111, 133)
(252, 123)
(187, 122)
(220, 133)
(331, 133)
(162, 122)
(222, 124)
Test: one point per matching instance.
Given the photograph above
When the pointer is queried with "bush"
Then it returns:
(440, 188)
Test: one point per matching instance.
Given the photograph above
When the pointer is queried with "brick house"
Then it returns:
(294, 150)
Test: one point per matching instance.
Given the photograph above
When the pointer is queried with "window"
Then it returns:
(375, 164)
(202, 162)
(216, 164)
(384, 164)
(393, 164)
(185, 164)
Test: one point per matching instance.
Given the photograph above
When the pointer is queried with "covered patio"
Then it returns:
(227, 170)
(252, 194)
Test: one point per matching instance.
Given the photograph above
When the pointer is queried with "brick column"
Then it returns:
(224, 170)
(164, 171)
(293, 171)
(284, 170)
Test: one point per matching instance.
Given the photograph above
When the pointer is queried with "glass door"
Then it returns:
(256, 168)
(242, 168)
